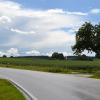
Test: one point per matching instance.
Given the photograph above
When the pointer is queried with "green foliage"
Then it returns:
(84, 57)
(4, 56)
(96, 75)
(59, 56)
(96, 42)
(11, 56)
(9, 92)
(87, 38)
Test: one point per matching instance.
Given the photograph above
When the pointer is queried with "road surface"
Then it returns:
(49, 86)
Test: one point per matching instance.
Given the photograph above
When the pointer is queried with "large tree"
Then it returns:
(87, 38)
(96, 48)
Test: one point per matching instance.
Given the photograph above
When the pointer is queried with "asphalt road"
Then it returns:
(49, 86)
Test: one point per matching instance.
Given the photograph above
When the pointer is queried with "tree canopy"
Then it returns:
(59, 56)
(87, 38)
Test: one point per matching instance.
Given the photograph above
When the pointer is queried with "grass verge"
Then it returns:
(9, 92)
(96, 75)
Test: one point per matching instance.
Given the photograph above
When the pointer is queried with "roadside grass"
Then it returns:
(9, 92)
(48, 65)
(96, 75)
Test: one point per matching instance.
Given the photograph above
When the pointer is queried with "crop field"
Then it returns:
(49, 65)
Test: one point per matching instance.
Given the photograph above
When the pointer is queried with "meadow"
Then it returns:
(51, 65)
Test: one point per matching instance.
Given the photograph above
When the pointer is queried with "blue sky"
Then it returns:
(73, 5)
(40, 27)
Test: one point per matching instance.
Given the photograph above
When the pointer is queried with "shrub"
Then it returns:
(59, 56)
(96, 75)
(4, 56)
(84, 57)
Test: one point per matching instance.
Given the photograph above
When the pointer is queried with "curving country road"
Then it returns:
(49, 86)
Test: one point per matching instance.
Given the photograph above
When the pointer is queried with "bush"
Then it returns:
(4, 56)
(59, 56)
(84, 57)
(97, 56)
(96, 75)
(11, 57)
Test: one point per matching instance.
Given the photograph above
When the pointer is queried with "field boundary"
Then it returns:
(24, 91)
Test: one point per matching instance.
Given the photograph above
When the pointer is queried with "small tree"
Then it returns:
(56, 55)
(96, 48)
(11, 57)
(61, 56)
(4, 56)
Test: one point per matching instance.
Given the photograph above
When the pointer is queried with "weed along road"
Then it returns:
(49, 86)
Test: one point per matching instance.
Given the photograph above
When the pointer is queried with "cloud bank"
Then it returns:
(49, 29)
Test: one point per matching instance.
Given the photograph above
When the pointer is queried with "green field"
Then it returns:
(9, 92)
(47, 65)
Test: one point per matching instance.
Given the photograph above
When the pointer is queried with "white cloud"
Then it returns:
(1, 53)
(49, 53)
(77, 13)
(67, 53)
(55, 38)
(95, 11)
(33, 53)
(88, 53)
(22, 32)
(5, 19)
(31, 28)
(61, 11)
(10, 52)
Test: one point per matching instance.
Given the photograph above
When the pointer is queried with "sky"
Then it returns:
(41, 27)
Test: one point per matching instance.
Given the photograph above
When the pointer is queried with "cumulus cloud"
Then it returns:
(33, 53)
(5, 19)
(95, 11)
(41, 29)
(10, 52)
(1, 53)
